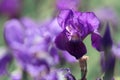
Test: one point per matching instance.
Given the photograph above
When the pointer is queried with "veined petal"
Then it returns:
(76, 48)
(64, 17)
(89, 20)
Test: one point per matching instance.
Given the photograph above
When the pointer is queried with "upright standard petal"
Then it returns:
(89, 22)
(64, 17)
(89, 19)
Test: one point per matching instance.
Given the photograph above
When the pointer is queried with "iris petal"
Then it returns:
(64, 17)
(76, 48)
(15, 31)
(96, 41)
(61, 40)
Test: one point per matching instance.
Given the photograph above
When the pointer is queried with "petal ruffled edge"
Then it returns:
(64, 17)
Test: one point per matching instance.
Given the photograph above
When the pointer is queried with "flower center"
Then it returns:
(72, 33)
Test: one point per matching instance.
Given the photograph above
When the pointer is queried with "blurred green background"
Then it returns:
(41, 10)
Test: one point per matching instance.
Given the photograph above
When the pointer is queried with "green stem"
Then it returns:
(83, 67)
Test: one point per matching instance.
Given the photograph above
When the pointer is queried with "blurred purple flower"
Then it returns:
(5, 59)
(10, 7)
(27, 39)
(60, 74)
(29, 45)
(38, 69)
(67, 4)
(51, 76)
(108, 14)
(68, 57)
(116, 51)
(68, 75)
(107, 57)
(16, 74)
(76, 27)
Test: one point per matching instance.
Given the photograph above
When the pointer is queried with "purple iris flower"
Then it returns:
(10, 7)
(27, 39)
(67, 4)
(76, 27)
(51, 29)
